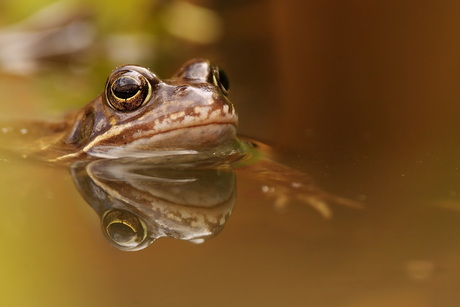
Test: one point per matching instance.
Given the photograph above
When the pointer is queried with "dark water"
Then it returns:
(363, 96)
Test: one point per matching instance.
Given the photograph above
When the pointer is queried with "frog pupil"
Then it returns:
(224, 80)
(125, 87)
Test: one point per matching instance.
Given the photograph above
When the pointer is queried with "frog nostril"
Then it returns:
(180, 91)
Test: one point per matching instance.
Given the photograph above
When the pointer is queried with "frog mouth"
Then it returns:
(179, 140)
(198, 136)
(192, 137)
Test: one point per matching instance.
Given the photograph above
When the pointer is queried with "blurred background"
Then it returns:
(355, 80)
(361, 94)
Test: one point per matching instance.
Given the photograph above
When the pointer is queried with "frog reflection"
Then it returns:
(138, 203)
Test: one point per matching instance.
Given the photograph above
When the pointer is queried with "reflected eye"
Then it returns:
(220, 79)
(127, 90)
(124, 228)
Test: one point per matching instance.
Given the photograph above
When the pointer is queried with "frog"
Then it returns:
(138, 115)
(187, 120)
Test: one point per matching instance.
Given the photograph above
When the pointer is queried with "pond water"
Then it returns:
(398, 247)
(362, 97)
(55, 247)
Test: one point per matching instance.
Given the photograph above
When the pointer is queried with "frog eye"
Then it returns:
(220, 79)
(127, 90)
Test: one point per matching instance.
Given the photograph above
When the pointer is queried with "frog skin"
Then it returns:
(138, 112)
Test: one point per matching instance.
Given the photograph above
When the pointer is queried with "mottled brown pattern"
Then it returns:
(188, 100)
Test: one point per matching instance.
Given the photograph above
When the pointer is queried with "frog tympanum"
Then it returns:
(186, 122)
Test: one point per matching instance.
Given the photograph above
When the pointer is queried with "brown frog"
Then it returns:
(138, 115)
